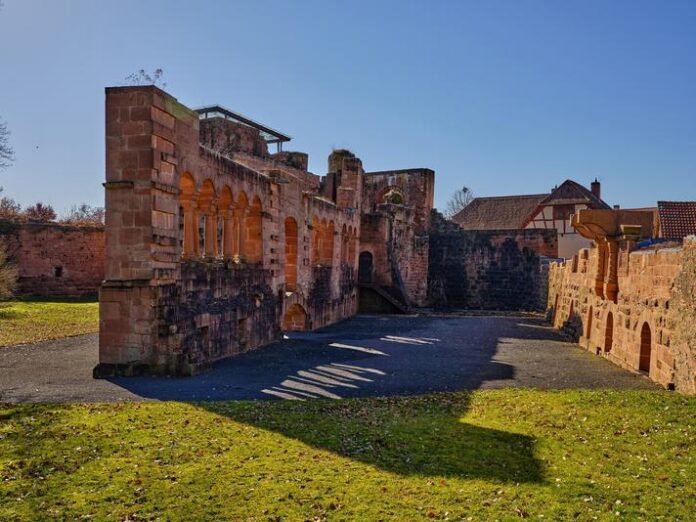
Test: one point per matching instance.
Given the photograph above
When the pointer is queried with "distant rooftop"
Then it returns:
(218, 111)
(677, 218)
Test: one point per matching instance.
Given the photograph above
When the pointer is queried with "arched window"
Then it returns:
(295, 319)
(240, 223)
(188, 215)
(645, 348)
(609, 333)
(316, 241)
(291, 254)
(226, 223)
(328, 244)
(206, 204)
(254, 232)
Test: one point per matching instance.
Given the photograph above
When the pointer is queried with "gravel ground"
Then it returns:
(363, 356)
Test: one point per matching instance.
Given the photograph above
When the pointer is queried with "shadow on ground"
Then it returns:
(423, 436)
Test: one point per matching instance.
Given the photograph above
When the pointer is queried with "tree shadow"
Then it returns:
(423, 436)
(388, 358)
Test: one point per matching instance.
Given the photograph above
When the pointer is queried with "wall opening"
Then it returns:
(645, 348)
(588, 334)
(254, 232)
(290, 254)
(365, 268)
(295, 319)
(609, 333)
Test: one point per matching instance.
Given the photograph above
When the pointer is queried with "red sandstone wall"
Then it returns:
(54, 259)
(656, 287)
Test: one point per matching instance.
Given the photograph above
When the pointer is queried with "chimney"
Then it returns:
(596, 188)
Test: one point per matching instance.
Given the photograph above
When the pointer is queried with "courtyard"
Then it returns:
(359, 357)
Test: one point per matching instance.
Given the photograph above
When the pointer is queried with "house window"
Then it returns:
(563, 212)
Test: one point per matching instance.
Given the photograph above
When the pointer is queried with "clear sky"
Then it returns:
(504, 97)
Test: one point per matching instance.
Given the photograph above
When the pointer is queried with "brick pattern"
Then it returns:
(55, 259)
(647, 282)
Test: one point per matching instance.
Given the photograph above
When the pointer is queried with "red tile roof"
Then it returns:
(677, 218)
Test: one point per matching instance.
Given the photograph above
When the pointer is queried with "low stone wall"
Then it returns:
(489, 270)
(55, 259)
(651, 328)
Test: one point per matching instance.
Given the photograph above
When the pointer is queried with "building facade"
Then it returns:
(214, 245)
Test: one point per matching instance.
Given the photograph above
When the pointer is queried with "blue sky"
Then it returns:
(502, 96)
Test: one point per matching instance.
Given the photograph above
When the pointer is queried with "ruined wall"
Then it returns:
(650, 326)
(55, 259)
(487, 269)
(396, 207)
(211, 244)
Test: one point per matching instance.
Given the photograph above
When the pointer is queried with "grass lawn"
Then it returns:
(487, 455)
(32, 321)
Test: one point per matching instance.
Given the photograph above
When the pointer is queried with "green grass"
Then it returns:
(33, 321)
(487, 455)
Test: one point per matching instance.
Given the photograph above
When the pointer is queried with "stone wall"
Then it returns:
(649, 327)
(212, 244)
(55, 259)
(488, 270)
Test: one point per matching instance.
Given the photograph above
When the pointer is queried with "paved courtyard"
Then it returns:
(366, 355)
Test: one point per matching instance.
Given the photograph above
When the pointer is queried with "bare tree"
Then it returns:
(40, 212)
(84, 215)
(143, 78)
(460, 199)
(6, 152)
(9, 208)
(8, 273)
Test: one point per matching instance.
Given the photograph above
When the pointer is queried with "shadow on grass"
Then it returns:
(422, 436)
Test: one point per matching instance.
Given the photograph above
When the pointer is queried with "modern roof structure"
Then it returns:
(218, 111)
(677, 218)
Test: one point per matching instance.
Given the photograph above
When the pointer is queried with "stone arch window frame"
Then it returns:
(291, 275)
(646, 348)
(207, 205)
(609, 332)
(226, 206)
(188, 198)
(254, 231)
(240, 215)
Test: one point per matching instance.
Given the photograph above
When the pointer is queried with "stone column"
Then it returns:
(189, 250)
(210, 231)
(599, 275)
(612, 287)
(240, 218)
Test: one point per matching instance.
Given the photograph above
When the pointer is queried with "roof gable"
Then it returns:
(570, 192)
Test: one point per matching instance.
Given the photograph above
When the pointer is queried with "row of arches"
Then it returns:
(219, 225)
(645, 353)
(322, 238)
(216, 225)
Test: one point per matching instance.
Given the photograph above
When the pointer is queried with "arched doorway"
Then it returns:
(290, 254)
(295, 319)
(609, 333)
(645, 348)
(365, 268)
